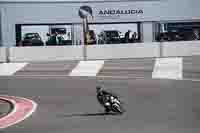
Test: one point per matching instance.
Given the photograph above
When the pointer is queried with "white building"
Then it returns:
(144, 15)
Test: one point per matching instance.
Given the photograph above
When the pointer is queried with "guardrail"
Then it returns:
(94, 52)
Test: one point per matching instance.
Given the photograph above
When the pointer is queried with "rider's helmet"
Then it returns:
(112, 98)
(99, 88)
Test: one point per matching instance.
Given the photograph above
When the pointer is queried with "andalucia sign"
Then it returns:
(120, 12)
(109, 13)
(116, 13)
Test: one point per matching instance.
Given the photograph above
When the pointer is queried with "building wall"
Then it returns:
(147, 30)
(0, 28)
(61, 12)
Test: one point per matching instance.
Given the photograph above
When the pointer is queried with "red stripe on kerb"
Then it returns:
(22, 109)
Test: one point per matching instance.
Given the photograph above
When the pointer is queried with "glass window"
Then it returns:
(72, 34)
(113, 33)
(179, 31)
(43, 35)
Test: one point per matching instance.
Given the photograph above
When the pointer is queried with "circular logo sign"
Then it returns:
(85, 11)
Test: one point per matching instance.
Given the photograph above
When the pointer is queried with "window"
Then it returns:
(179, 31)
(114, 33)
(43, 35)
(72, 34)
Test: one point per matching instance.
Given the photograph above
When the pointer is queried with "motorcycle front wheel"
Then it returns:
(117, 108)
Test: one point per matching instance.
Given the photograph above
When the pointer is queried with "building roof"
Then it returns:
(71, 1)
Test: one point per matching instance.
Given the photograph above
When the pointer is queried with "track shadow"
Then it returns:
(88, 114)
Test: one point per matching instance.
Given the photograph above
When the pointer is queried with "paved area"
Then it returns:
(137, 68)
(47, 68)
(5, 108)
(191, 67)
(68, 104)
(129, 68)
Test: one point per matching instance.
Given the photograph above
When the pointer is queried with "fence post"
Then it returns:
(84, 39)
(84, 52)
(161, 49)
(7, 54)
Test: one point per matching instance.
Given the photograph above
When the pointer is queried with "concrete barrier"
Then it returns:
(50, 53)
(2, 54)
(107, 51)
(183, 48)
(114, 51)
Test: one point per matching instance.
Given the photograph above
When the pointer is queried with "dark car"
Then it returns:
(170, 36)
(32, 39)
(109, 37)
(180, 35)
(57, 40)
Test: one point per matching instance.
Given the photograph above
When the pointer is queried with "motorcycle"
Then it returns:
(113, 104)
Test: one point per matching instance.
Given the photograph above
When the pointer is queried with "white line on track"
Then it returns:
(7, 69)
(168, 68)
(87, 68)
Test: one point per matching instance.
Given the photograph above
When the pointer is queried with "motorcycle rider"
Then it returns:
(105, 98)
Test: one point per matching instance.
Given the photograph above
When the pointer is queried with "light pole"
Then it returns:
(84, 12)
(85, 31)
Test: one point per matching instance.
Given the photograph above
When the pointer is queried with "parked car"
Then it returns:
(57, 40)
(181, 35)
(32, 39)
(109, 37)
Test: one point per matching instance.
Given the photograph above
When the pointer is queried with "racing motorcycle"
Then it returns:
(110, 102)
(114, 105)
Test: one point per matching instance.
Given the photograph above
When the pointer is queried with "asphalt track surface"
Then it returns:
(5, 108)
(191, 67)
(68, 104)
(128, 68)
